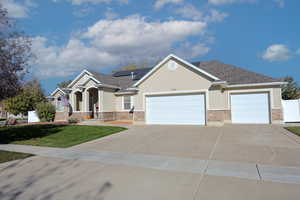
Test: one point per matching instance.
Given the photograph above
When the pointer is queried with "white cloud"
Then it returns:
(83, 11)
(64, 61)
(277, 52)
(14, 9)
(223, 2)
(280, 3)
(79, 2)
(114, 42)
(188, 50)
(298, 52)
(190, 12)
(110, 14)
(216, 16)
(161, 3)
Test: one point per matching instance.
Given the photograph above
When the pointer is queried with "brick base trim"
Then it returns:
(218, 116)
(61, 116)
(124, 116)
(107, 116)
(277, 115)
(139, 116)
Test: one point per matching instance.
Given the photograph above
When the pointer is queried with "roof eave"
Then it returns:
(256, 84)
(107, 86)
(125, 92)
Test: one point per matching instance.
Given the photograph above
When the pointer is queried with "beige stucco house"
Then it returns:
(174, 92)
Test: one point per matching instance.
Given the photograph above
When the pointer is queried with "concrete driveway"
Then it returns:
(163, 162)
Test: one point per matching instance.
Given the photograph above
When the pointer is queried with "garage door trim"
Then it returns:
(269, 95)
(177, 93)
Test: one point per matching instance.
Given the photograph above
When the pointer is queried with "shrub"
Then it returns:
(46, 111)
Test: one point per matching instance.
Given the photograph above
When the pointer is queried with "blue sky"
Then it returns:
(70, 35)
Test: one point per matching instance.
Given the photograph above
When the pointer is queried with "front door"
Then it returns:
(93, 103)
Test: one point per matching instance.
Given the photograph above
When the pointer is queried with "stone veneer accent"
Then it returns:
(61, 116)
(107, 116)
(277, 115)
(218, 116)
(139, 116)
(124, 116)
(80, 115)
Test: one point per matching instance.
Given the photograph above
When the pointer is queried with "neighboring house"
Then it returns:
(176, 92)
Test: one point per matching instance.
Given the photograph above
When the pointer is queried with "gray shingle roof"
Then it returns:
(123, 82)
(232, 74)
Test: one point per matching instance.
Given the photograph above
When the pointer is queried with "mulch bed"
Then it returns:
(43, 123)
(119, 122)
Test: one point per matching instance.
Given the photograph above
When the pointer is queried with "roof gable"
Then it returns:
(57, 90)
(189, 65)
(84, 72)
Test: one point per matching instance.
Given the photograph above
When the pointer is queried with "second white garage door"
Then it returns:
(250, 108)
(176, 109)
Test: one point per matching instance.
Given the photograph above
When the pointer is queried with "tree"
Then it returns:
(27, 100)
(14, 57)
(291, 90)
(64, 84)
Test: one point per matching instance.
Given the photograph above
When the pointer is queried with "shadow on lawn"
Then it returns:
(52, 179)
(19, 133)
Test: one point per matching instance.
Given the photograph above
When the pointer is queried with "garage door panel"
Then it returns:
(250, 108)
(176, 109)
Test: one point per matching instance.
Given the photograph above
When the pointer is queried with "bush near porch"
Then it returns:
(54, 135)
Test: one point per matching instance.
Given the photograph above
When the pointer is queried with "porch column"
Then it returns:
(86, 101)
(99, 100)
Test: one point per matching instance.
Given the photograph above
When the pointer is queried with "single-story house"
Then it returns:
(174, 92)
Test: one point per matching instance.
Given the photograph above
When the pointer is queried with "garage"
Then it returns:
(250, 108)
(176, 109)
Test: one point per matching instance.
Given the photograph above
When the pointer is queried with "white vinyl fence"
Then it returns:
(33, 117)
(291, 110)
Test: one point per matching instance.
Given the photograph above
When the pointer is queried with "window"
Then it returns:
(127, 102)
(59, 105)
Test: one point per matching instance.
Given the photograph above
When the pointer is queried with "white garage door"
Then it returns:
(176, 109)
(250, 108)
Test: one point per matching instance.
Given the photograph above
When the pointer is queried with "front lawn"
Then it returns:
(54, 135)
(294, 129)
(6, 156)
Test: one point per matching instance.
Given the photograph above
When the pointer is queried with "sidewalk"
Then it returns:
(251, 171)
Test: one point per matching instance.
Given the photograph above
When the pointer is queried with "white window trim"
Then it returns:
(131, 103)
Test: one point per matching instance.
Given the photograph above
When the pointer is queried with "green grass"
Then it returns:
(54, 135)
(6, 156)
(294, 129)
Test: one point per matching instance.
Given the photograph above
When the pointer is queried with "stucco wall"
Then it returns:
(108, 100)
(166, 80)
(217, 99)
(185, 79)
